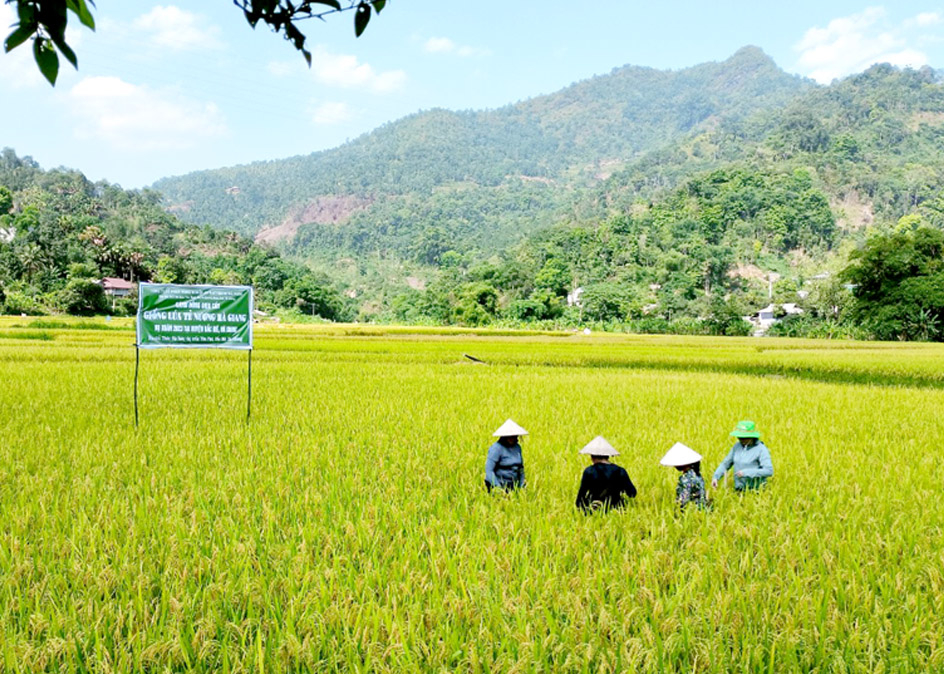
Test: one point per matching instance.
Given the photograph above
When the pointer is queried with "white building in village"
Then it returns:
(766, 317)
(573, 297)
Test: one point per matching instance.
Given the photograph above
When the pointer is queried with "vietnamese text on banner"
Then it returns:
(194, 316)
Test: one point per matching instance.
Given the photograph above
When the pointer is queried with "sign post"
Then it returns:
(193, 317)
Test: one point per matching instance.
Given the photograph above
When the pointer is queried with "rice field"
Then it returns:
(345, 528)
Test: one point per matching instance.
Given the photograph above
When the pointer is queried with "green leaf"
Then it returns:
(361, 18)
(66, 51)
(46, 59)
(18, 37)
(27, 13)
(334, 4)
(379, 5)
(81, 10)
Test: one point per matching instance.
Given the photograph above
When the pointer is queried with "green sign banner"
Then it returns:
(195, 317)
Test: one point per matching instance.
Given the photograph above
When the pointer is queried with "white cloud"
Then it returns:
(174, 28)
(439, 44)
(443, 45)
(131, 117)
(332, 112)
(852, 43)
(343, 70)
(927, 19)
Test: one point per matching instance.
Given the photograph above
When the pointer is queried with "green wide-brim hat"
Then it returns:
(745, 429)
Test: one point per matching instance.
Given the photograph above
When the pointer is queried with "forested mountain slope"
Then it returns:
(701, 229)
(831, 201)
(874, 141)
(60, 234)
(442, 169)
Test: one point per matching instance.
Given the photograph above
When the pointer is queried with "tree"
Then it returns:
(554, 276)
(168, 270)
(477, 304)
(6, 200)
(315, 297)
(899, 285)
(82, 296)
(45, 21)
(723, 318)
(607, 301)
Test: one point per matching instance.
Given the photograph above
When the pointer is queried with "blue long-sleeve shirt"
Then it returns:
(504, 467)
(754, 462)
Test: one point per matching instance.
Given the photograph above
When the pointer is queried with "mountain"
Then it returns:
(479, 179)
(61, 234)
(642, 200)
(873, 142)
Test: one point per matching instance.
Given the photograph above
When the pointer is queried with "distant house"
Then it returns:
(116, 287)
(766, 317)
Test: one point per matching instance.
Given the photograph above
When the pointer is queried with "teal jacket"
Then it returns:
(753, 461)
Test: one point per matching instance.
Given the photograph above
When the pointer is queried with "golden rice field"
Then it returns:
(345, 527)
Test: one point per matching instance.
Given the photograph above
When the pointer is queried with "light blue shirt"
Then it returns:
(504, 466)
(754, 462)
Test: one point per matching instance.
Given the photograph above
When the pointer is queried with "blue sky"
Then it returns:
(165, 89)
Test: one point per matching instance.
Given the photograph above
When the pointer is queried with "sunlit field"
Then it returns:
(345, 526)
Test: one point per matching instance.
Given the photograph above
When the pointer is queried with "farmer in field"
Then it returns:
(749, 458)
(603, 484)
(504, 467)
(691, 485)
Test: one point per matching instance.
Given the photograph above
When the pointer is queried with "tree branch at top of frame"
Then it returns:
(44, 22)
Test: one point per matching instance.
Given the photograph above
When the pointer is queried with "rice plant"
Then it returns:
(345, 526)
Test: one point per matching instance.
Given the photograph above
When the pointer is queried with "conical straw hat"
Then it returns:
(599, 447)
(680, 455)
(509, 428)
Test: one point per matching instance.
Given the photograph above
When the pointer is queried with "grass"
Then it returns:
(344, 528)
(42, 335)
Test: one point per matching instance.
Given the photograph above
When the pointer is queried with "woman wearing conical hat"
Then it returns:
(504, 467)
(603, 484)
(691, 485)
(749, 458)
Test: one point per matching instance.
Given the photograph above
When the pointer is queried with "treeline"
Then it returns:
(670, 266)
(767, 204)
(673, 248)
(61, 234)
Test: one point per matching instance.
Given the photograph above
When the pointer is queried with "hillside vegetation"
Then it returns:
(643, 200)
(562, 140)
(61, 234)
(674, 200)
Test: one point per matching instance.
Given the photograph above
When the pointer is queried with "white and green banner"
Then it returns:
(186, 316)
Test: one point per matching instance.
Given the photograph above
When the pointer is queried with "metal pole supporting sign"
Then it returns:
(137, 363)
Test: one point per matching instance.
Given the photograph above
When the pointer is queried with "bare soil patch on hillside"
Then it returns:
(324, 210)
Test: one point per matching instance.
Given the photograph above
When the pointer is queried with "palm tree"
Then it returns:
(32, 258)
